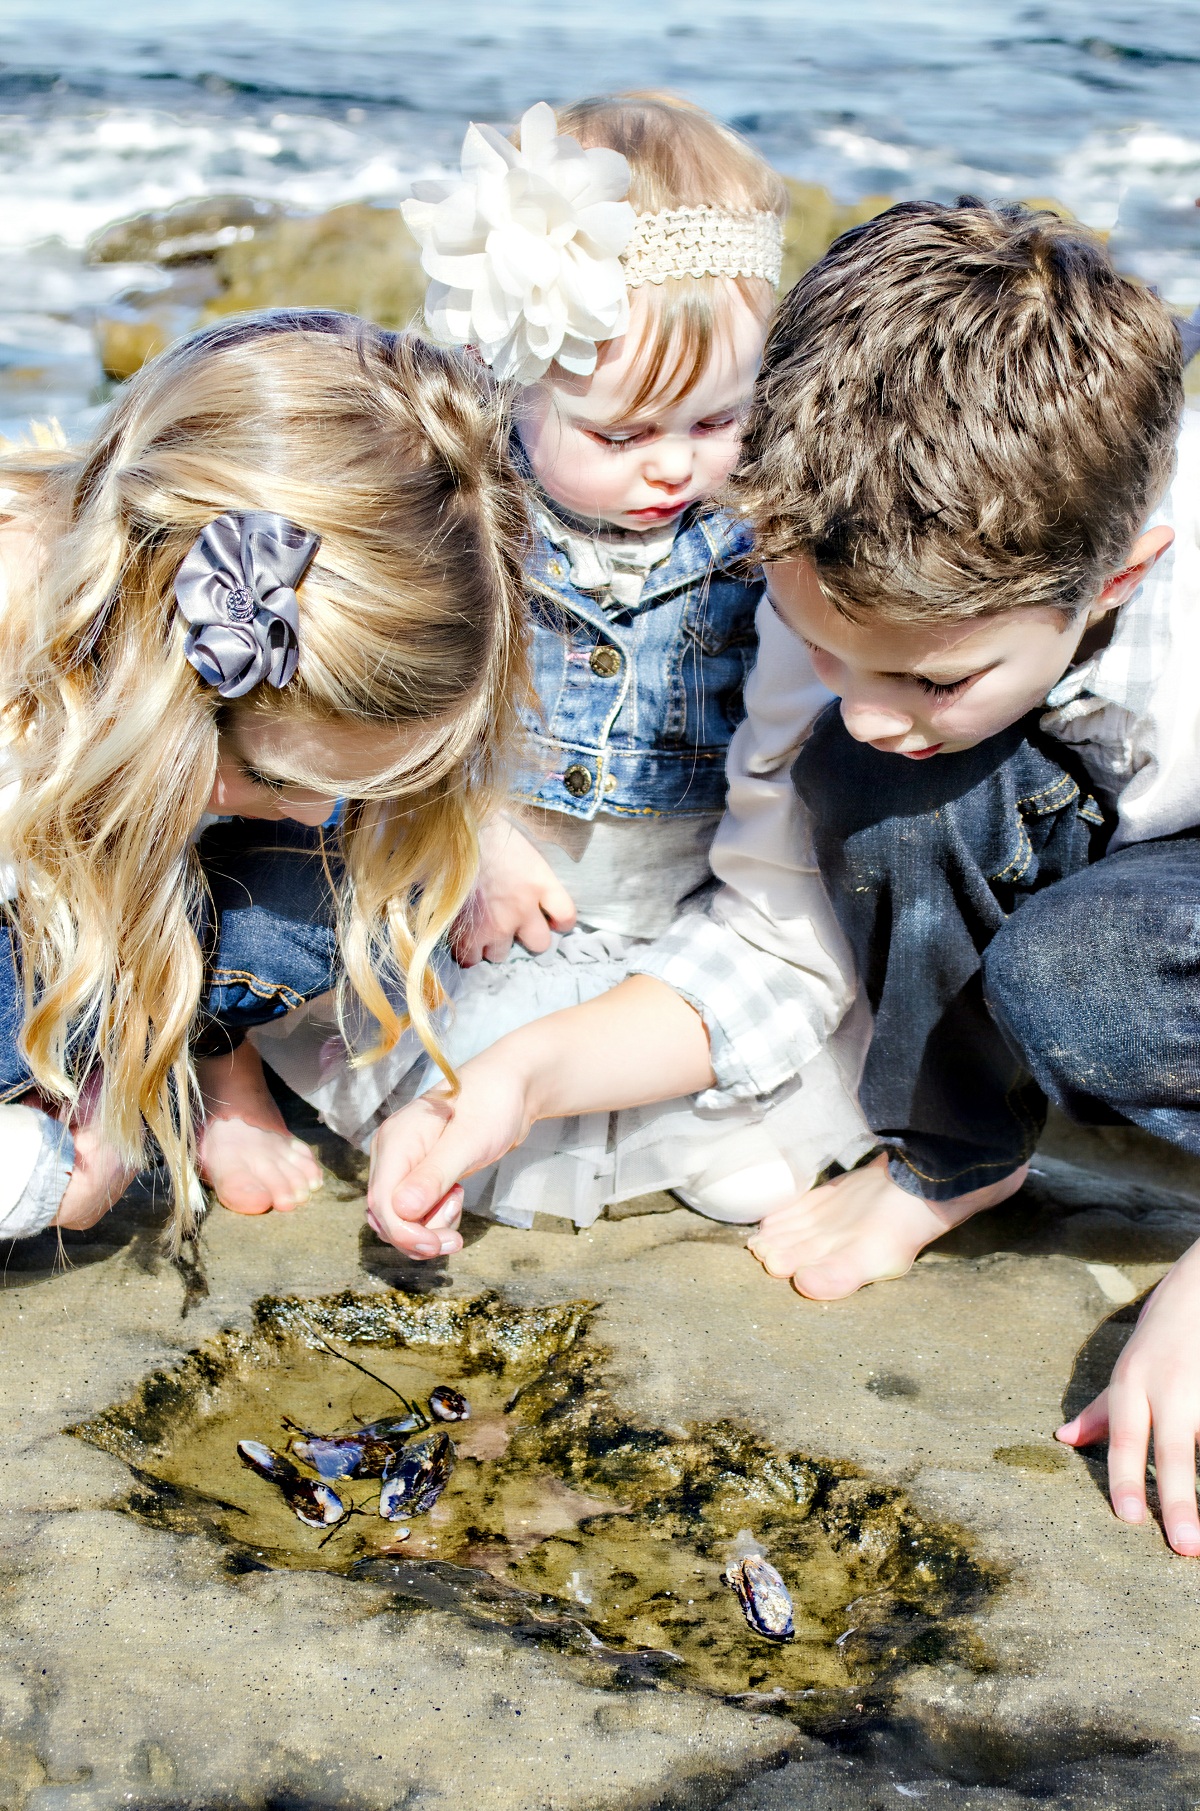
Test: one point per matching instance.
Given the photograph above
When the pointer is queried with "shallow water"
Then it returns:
(562, 1520)
(103, 113)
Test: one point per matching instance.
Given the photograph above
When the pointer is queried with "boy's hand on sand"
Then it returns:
(1155, 1386)
(419, 1155)
(518, 895)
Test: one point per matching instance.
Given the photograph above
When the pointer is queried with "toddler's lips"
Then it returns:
(922, 754)
(661, 512)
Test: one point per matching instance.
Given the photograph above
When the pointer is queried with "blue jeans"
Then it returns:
(1006, 958)
(271, 941)
(268, 935)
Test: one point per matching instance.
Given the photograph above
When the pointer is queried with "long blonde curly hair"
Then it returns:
(394, 453)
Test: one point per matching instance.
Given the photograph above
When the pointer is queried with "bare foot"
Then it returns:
(862, 1228)
(247, 1155)
(99, 1176)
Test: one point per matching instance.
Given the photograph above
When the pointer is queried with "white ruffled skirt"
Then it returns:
(731, 1159)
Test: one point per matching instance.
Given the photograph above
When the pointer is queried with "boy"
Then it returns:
(957, 466)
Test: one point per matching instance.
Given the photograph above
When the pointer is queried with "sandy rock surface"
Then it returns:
(139, 1669)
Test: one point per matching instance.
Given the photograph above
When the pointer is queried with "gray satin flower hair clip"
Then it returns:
(236, 590)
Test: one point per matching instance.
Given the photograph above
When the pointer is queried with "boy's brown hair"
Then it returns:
(961, 410)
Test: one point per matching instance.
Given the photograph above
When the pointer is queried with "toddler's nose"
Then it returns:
(869, 722)
(668, 462)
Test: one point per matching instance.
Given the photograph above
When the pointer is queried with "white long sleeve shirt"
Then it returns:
(767, 966)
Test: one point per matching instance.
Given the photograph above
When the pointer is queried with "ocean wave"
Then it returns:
(68, 177)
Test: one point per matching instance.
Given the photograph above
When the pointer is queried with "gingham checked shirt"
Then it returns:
(765, 964)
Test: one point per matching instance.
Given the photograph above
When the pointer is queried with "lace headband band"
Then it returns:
(236, 590)
(532, 250)
(703, 242)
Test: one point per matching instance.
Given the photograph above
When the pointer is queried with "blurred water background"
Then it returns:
(109, 109)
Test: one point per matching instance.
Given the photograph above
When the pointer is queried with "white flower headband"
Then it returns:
(531, 251)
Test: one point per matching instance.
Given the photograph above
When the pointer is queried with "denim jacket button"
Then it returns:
(556, 568)
(606, 661)
(577, 781)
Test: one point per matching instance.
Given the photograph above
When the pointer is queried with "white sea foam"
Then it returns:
(65, 178)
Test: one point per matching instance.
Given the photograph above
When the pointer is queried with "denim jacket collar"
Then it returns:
(710, 538)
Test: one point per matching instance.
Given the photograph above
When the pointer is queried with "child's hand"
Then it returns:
(419, 1154)
(517, 895)
(1155, 1384)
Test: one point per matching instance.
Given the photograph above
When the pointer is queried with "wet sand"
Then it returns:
(144, 1664)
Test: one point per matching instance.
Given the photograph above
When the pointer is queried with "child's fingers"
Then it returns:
(466, 944)
(412, 1236)
(467, 933)
(1128, 1443)
(1175, 1468)
(427, 1185)
(401, 1143)
(558, 907)
(1090, 1425)
(447, 1214)
(534, 933)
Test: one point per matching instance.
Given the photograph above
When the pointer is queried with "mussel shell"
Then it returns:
(330, 1456)
(415, 1479)
(261, 1459)
(335, 1456)
(394, 1426)
(312, 1502)
(447, 1404)
(766, 1603)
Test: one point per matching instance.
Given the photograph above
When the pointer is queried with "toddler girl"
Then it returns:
(631, 331)
(281, 575)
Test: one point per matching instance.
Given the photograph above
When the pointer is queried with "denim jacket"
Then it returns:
(637, 705)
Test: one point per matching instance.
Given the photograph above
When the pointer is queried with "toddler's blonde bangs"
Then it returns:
(684, 320)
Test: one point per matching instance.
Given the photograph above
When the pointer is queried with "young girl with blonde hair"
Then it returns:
(285, 573)
(616, 267)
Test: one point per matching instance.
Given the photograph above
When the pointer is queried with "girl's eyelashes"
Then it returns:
(259, 779)
(616, 442)
(620, 438)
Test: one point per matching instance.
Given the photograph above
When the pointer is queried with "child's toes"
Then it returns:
(829, 1282)
(245, 1193)
(306, 1165)
(292, 1187)
(777, 1259)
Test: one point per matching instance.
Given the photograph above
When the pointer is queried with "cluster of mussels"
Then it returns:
(413, 1477)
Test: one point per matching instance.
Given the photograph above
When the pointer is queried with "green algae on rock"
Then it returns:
(564, 1520)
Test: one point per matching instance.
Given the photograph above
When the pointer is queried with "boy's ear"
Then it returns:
(1144, 555)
